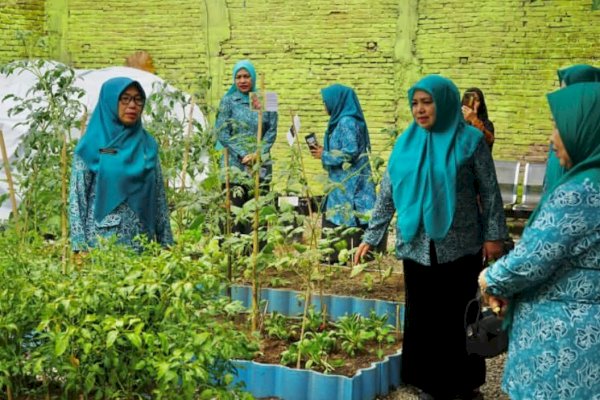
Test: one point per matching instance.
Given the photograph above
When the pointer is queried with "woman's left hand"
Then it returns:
(493, 249)
(316, 152)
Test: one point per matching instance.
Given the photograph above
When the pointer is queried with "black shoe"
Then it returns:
(426, 396)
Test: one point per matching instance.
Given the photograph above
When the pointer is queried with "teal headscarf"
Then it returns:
(576, 112)
(127, 171)
(424, 164)
(247, 65)
(578, 73)
(341, 101)
(571, 75)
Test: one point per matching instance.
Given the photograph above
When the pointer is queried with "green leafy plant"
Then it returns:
(353, 335)
(124, 325)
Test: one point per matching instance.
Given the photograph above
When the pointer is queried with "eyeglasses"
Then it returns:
(126, 99)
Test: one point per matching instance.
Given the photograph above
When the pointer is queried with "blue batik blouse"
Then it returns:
(122, 223)
(552, 279)
(347, 163)
(237, 127)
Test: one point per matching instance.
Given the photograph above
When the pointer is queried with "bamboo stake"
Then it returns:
(186, 151)
(256, 167)
(9, 393)
(63, 214)
(228, 220)
(11, 187)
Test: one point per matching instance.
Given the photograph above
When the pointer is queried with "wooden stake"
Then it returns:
(228, 219)
(9, 393)
(186, 150)
(11, 187)
(63, 214)
(256, 168)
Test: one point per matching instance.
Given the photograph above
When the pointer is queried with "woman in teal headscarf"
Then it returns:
(237, 128)
(552, 277)
(345, 158)
(439, 168)
(116, 186)
(567, 76)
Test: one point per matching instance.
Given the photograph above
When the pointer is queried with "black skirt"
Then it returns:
(434, 356)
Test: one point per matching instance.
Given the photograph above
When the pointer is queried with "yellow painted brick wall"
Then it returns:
(103, 33)
(15, 16)
(510, 49)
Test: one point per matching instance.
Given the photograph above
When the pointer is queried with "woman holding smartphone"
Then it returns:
(345, 157)
(475, 113)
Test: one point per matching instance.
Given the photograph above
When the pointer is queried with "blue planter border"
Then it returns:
(271, 380)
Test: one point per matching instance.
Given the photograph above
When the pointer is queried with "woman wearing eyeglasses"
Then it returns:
(116, 186)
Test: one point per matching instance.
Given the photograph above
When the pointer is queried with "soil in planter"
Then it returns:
(271, 349)
(340, 283)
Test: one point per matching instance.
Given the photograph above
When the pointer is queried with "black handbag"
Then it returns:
(484, 334)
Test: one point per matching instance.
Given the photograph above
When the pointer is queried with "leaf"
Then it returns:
(110, 338)
(358, 269)
(135, 339)
(61, 343)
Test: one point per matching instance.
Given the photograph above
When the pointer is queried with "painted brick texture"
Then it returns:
(15, 16)
(510, 49)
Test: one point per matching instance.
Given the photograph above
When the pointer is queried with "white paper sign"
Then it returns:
(271, 103)
(294, 131)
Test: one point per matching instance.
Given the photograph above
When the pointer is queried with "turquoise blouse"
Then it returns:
(470, 227)
(350, 204)
(236, 129)
(122, 222)
(552, 279)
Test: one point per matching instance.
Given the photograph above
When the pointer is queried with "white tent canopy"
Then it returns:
(19, 82)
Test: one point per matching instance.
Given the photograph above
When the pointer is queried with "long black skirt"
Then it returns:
(434, 356)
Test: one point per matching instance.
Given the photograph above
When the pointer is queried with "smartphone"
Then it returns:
(468, 99)
(311, 140)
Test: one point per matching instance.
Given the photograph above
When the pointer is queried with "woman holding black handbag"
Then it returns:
(438, 169)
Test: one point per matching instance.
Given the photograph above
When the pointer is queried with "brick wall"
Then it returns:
(510, 49)
(301, 49)
(20, 16)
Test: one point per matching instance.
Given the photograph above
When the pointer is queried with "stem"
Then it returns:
(304, 319)
(9, 393)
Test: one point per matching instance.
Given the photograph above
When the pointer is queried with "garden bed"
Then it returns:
(373, 369)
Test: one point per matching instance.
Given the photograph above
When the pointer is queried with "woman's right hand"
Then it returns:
(361, 251)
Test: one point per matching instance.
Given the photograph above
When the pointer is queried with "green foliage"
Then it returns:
(124, 325)
(352, 334)
(52, 109)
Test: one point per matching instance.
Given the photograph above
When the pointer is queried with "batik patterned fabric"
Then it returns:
(347, 163)
(469, 229)
(237, 127)
(122, 223)
(553, 279)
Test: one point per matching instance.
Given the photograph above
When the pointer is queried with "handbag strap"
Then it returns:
(476, 300)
